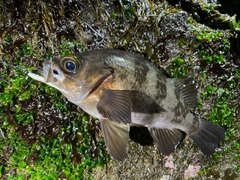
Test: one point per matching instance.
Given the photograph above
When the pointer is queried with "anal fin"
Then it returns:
(167, 139)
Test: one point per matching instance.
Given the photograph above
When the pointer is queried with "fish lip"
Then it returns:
(46, 70)
(41, 74)
(38, 71)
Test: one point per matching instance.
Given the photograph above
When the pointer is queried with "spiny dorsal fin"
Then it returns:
(187, 89)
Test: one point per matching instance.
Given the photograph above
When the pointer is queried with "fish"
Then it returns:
(124, 89)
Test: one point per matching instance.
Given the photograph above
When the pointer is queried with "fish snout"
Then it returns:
(52, 72)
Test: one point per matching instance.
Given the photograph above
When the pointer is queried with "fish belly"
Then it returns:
(161, 121)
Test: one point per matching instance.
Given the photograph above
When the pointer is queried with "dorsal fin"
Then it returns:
(187, 89)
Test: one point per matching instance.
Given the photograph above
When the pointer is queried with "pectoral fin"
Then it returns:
(116, 137)
(115, 105)
(115, 109)
(167, 139)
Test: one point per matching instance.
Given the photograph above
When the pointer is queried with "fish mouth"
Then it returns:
(42, 75)
(37, 75)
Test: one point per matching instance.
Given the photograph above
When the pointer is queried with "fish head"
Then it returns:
(64, 74)
(75, 76)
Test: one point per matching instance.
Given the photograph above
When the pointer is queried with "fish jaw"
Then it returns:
(44, 76)
(41, 79)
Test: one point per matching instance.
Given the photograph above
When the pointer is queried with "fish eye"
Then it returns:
(69, 64)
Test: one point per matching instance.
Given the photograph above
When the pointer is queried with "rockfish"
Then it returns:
(124, 89)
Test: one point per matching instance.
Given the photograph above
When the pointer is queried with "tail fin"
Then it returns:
(207, 136)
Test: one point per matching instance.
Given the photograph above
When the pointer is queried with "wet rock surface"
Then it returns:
(165, 33)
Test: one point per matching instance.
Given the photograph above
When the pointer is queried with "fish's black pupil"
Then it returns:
(70, 66)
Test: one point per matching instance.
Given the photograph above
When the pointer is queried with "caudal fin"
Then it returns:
(207, 136)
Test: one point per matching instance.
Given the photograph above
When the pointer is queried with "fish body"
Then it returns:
(124, 89)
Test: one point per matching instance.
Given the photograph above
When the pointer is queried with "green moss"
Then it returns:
(237, 74)
(209, 8)
(49, 159)
(238, 168)
(221, 113)
(16, 87)
(8, 39)
(115, 15)
(25, 50)
(25, 118)
(68, 47)
(209, 91)
(128, 8)
(179, 67)
(209, 36)
(211, 58)
(211, 45)
(234, 24)
(1, 170)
